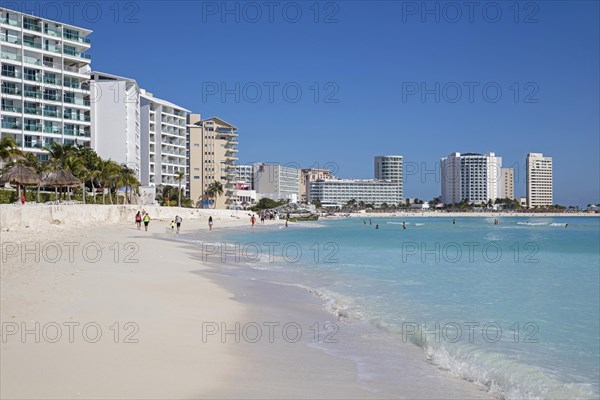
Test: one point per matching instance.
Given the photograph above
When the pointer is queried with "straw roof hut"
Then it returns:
(19, 175)
(60, 178)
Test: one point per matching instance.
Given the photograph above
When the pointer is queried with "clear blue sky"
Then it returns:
(368, 56)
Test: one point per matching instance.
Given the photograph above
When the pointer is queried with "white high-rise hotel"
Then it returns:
(475, 178)
(45, 82)
(134, 128)
(389, 168)
(539, 180)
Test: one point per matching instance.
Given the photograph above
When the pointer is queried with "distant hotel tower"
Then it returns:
(389, 168)
(45, 82)
(539, 180)
(471, 177)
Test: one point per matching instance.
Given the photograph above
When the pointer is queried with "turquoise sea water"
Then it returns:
(513, 307)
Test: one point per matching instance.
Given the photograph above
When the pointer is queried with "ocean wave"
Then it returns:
(501, 375)
(533, 223)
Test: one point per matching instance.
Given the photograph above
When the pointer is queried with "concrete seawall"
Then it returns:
(39, 216)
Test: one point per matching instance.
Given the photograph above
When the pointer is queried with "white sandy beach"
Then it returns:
(162, 295)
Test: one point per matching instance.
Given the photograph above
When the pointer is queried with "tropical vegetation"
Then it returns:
(94, 173)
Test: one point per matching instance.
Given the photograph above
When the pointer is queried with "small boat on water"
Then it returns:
(303, 217)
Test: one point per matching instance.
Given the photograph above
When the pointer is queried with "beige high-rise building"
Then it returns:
(539, 180)
(506, 188)
(213, 154)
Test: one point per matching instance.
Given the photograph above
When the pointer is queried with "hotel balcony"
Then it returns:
(32, 110)
(32, 25)
(76, 132)
(10, 22)
(34, 94)
(13, 90)
(52, 113)
(15, 125)
(11, 108)
(76, 117)
(8, 56)
(10, 39)
(54, 129)
(52, 32)
(32, 127)
(74, 37)
(73, 53)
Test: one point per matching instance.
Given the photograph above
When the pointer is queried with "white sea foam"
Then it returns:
(508, 378)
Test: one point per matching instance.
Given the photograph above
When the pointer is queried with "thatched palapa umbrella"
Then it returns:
(60, 178)
(19, 175)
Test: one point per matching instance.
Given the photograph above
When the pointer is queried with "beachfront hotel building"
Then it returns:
(539, 180)
(45, 82)
(213, 156)
(132, 127)
(506, 189)
(277, 182)
(472, 177)
(244, 176)
(162, 141)
(116, 126)
(389, 168)
(308, 175)
(338, 192)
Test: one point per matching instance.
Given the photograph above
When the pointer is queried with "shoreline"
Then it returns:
(152, 315)
(170, 294)
(38, 218)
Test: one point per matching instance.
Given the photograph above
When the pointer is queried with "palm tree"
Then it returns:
(108, 176)
(59, 154)
(9, 149)
(166, 193)
(179, 175)
(32, 161)
(215, 190)
(128, 179)
(91, 171)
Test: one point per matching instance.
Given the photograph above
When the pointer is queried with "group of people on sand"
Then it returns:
(145, 218)
(271, 216)
(139, 218)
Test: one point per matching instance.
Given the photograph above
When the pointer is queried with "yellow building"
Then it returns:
(213, 154)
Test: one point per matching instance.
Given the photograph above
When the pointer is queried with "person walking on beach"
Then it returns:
(178, 222)
(138, 220)
(23, 199)
(146, 221)
(210, 223)
(252, 220)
